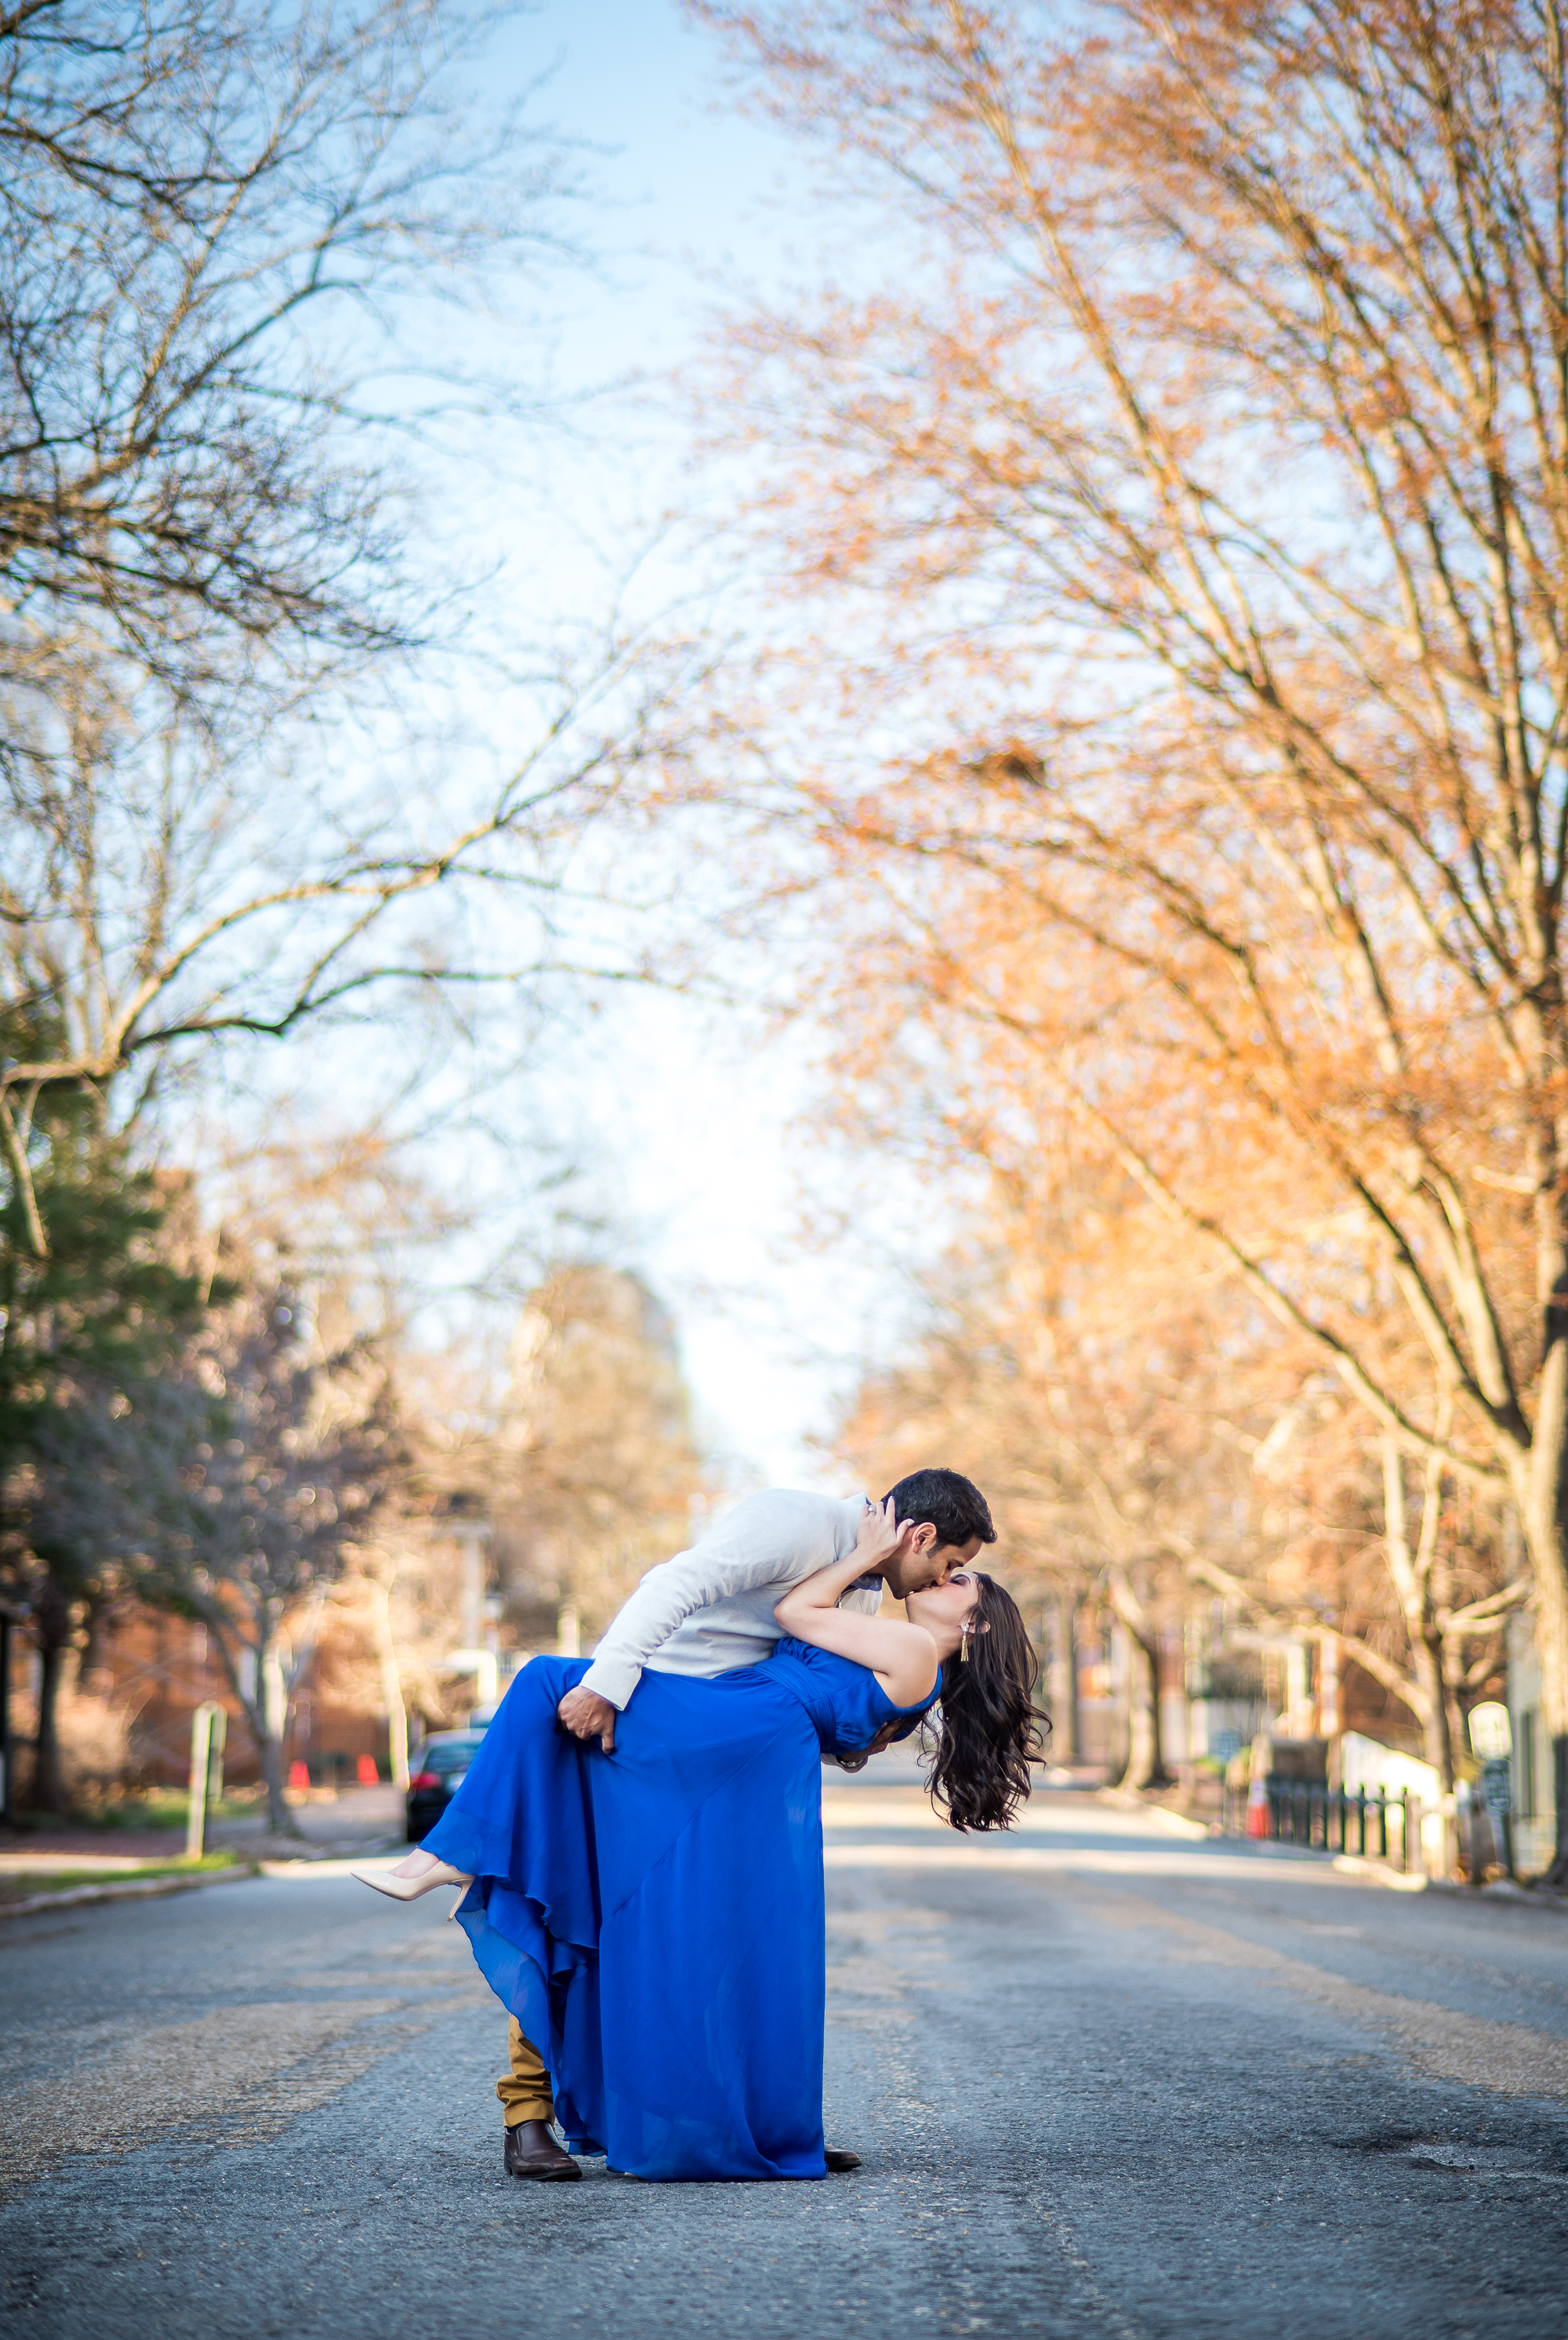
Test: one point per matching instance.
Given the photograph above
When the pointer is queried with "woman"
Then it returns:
(654, 1919)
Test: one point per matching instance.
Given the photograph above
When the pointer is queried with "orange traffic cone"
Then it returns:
(369, 1776)
(299, 1774)
(1257, 1809)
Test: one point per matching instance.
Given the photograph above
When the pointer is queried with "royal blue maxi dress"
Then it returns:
(654, 1917)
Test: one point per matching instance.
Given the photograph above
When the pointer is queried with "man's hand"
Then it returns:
(880, 1540)
(588, 1716)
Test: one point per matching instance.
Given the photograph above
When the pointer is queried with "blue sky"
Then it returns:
(699, 1134)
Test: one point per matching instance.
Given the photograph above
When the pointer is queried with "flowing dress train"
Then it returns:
(654, 1919)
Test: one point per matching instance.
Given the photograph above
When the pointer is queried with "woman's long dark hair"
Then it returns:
(981, 1738)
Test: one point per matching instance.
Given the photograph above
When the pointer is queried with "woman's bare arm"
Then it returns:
(902, 1656)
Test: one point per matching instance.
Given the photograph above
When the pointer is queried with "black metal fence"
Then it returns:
(1476, 1832)
(1370, 1821)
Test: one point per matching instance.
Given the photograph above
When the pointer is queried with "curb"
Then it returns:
(1504, 1889)
(1377, 1872)
(1129, 1799)
(81, 1896)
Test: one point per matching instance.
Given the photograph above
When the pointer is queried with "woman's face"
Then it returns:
(945, 1610)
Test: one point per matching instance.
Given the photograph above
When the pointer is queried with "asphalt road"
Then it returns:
(1106, 2080)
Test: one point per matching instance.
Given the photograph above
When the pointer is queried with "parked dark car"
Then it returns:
(434, 1773)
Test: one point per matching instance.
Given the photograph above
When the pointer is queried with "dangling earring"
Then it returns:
(964, 1646)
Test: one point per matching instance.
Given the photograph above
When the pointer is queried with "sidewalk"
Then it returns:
(104, 1864)
(359, 1819)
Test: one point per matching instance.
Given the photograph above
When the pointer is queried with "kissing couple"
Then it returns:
(641, 1835)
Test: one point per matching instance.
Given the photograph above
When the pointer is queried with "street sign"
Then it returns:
(1224, 1745)
(1491, 1736)
(1497, 1786)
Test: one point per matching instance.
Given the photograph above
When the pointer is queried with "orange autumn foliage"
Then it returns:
(1179, 541)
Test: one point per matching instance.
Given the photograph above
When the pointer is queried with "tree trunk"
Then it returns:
(92, 1671)
(267, 1715)
(1541, 1488)
(1549, 1557)
(392, 1685)
(397, 1732)
(262, 1700)
(1118, 1740)
(49, 1787)
(1146, 1756)
(1416, 1576)
(1062, 1680)
(1437, 1742)
(280, 1818)
(1450, 1665)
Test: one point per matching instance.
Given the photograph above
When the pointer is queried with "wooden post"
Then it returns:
(201, 1738)
(216, 1751)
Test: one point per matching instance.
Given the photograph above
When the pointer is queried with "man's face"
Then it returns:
(923, 1561)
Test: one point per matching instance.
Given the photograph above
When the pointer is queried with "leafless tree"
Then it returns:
(215, 221)
(1143, 1428)
(159, 894)
(596, 1467)
(1082, 1395)
(273, 1457)
(210, 212)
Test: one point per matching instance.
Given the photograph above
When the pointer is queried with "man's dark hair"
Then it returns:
(954, 1505)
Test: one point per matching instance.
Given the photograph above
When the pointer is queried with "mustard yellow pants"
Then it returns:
(525, 2092)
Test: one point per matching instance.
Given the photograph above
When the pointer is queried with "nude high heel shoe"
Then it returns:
(408, 1889)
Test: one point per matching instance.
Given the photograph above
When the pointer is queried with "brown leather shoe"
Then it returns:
(532, 2152)
(838, 2160)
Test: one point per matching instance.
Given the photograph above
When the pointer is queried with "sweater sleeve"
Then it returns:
(762, 1542)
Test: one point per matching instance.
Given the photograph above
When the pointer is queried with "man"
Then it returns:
(710, 1609)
